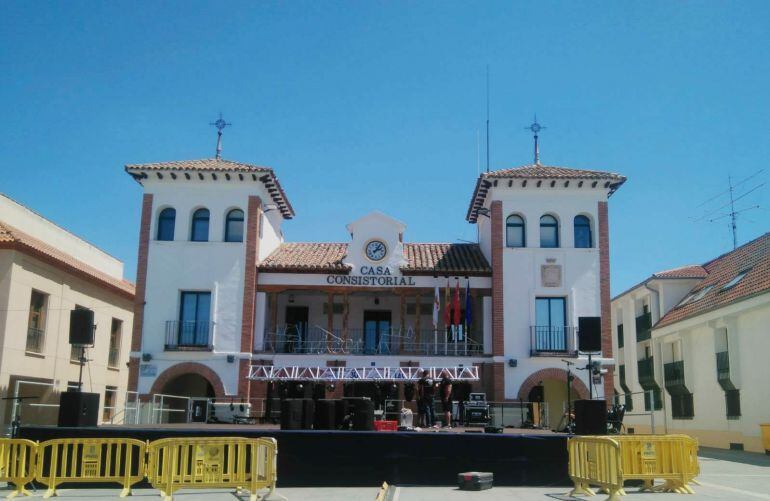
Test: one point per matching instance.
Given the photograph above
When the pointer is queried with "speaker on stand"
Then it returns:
(77, 408)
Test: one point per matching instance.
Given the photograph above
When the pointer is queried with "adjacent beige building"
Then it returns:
(45, 272)
(692, 346)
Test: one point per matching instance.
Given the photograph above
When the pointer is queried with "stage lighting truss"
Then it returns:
(329, 374)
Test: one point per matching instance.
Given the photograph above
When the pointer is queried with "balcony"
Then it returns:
(189, 335)
(35, 340)
(319, 341)
(643, 327)
(673, 372)
(552, 341)
(723, 371)
(646, 370)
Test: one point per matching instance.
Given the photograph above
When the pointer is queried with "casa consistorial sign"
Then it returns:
(374, 276)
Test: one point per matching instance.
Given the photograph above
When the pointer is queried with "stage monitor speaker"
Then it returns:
(308, 413)
(291, 414)
(363, 417)
(590, 334)
(82, 327)
(341, 409)
(325, 414)
(77, 409)
(590, 417)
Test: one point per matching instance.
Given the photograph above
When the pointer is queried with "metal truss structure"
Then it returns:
(385, 374)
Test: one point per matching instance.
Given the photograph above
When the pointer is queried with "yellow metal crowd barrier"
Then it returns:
(205, 463)
(119, 460)
(17, 463)
(595, 461)
(608, 462)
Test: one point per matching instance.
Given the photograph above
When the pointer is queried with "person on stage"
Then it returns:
(446, 399)
(425, 392)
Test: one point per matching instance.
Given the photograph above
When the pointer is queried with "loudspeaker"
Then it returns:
(273, 410)
(78, 409)
(325, 414)
(341, 409)
(409, 392)
(363, 417)
(82, 327)
(291, 414)
(590, 334)
(590, 417)
(308, 413)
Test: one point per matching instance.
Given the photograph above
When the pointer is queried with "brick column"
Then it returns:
(604, 294)
(141, 287)
(498, 304)
(249, 293)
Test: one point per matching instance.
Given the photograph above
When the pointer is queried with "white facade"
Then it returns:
(35, 354)
(719, 349)
(335, 290)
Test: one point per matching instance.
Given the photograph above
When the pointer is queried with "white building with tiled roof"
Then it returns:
(46, 271)
(690, 345)
(220, 292)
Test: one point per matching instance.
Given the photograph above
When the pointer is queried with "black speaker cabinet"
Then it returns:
(363, 417)
(590, 334)
(308, 413)
(78, 409)
(82, 327)
(325, 415)
(590, 417)
(341, 409)
(291, 414)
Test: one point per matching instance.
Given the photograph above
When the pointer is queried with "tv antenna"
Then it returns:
(715, 215)
(220, 124)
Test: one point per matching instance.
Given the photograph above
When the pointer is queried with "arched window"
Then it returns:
(514, 232)
(199, 231)
(234, 226)
(583, 238)
(166, 221)
(549, 231)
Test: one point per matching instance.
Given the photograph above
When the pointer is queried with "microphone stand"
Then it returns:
(570, 424)
(16, 423)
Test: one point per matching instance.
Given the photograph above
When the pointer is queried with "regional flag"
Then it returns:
(436, 307)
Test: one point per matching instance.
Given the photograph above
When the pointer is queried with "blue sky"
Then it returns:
(378, 105)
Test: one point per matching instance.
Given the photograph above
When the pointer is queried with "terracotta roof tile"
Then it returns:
(206, 164)
(13, 238)
(307, 258)
(690, 271)
(753, 258)
(611, 181)
(266, 175)
(440, 258)
(422, 258)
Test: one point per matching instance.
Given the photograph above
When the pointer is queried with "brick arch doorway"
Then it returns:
(551, 385)
(190, 380)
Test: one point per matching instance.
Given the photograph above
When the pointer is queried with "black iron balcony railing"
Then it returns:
(189, 335)
(723, 371)
(620, 336)
(547, 340)
(646, 373)
(673, 372)
(643, 327)
(35, 338)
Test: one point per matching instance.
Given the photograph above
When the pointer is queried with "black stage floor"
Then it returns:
(359, 458)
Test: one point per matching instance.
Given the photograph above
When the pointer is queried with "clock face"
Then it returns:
(376, 250)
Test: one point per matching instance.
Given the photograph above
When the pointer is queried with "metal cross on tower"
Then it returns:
(220, 124)
(535, 128)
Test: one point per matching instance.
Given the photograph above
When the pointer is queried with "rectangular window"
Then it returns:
(194, 319)
(550, 324)
(733, 403)
(116, 330)
(110, 399)
(38, 303)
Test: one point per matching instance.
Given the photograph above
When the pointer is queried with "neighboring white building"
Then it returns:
(218, 289)
(697, 337)
(45, 272)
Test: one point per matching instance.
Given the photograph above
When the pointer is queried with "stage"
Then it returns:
(362, 458)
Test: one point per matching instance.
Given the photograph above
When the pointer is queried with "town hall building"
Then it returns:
(220, 295)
